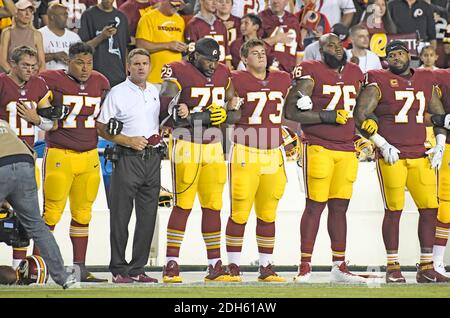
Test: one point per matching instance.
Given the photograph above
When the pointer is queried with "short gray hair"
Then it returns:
(138, 51)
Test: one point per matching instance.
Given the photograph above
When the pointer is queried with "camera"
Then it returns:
(111, 153)
(11, 231)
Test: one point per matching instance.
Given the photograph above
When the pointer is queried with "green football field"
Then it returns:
(231, 291)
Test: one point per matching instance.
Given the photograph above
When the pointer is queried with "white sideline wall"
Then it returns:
(364, 239)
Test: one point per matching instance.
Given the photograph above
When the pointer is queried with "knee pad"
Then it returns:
(444, 212)
(268, 217)
(239, 217)
(52, 217)
(82, 217)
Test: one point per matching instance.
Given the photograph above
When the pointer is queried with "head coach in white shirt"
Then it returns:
(133, 107)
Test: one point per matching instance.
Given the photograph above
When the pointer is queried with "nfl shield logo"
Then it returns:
(23, 91)
(82, 87)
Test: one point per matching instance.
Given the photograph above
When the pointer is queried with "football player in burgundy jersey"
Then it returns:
(202, 88)
(282, 32)
(206, 24)
(231, 22)
(256, 167)
(390, 110)
(71, 162)
(22, 96)
(443, 218)
(322, 100)
(251, 27)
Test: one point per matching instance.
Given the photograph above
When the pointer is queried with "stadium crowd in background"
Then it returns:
(195, 57)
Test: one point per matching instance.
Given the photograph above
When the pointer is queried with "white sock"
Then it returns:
(234, 257)
(213, 261)
(438, 253)
(176, 259)
(15, 263)
(265, 259)
(338, 263)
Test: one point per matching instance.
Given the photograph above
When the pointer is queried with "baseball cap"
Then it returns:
(340, 30)
(209, 48)
(177, 3)
(396, 45)
(23, 4)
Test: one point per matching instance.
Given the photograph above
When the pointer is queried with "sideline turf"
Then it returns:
(232, 291)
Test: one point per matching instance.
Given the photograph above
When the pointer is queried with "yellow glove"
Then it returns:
(370, 126)
(341, 116)
(218, 114)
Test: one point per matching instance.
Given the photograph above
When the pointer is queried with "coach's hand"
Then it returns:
(137, 143)
(390, 153)
(182, 110)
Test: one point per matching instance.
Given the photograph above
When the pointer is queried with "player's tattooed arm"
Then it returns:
(232, 105)
(292, 112)
(438, 117)
(363, 113)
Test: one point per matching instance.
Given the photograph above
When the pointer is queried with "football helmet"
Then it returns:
(165, 198)
(32, 269)
(365, 150)
(291, 143)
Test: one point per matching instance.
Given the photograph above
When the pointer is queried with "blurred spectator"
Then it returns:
(7, 11)
(360, 7)
(282, 33)
(251, 25)
(232, 23)
(75, 9)
(336, 11)
(428, 57)
(134, 10)
(57, 38)
(312, 51)
(377, 18)
(414, 16)
(188, 9)
(19, 34)
(161, 33)
(241, 8)
(206, 24)
(106, 29)
(359, 54)
(40, 17)
(312, 23)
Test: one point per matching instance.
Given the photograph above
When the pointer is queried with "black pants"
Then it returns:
(138, 179)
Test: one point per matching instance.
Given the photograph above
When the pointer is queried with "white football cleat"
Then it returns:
(304, 273)
(440, 267)
(340, 274)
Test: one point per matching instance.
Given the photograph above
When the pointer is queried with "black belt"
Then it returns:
(149, 150)
(15, 159)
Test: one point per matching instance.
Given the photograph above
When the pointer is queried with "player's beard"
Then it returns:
(333, 62)
(397, 70)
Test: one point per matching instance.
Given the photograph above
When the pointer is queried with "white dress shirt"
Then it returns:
(137, 108)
